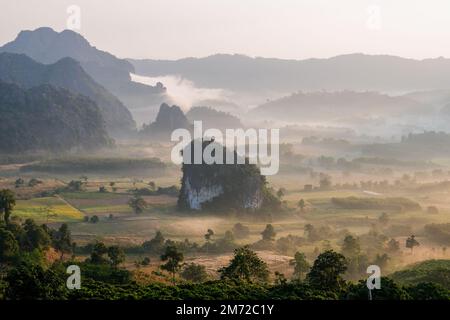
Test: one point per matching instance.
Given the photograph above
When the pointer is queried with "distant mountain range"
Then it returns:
(358, 72)
(326, 106)
(48, 46)
(170, 118)
(45, 118)
(67, 73)
(212, 118)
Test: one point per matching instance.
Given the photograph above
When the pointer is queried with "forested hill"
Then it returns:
(47, 46)
(67, 73)
(48, 118)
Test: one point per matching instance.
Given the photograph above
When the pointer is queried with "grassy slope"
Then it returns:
(437, 271)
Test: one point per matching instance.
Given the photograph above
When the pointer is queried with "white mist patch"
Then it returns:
(183, 92)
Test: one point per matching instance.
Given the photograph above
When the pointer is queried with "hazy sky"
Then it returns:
(295, 29)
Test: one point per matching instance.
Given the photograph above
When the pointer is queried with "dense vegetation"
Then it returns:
(435, 271)
(398, 204)
(68, 74)
(50, 119)
(212, 118)
(28, 273)
(95, 164)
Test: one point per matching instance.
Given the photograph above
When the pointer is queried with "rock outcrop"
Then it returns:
(168, 119)
(221, 187)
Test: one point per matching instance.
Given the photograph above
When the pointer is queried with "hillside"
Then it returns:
(67, 73)
(212, 118)
(49, 119)
(322, 106)
(436, 271)
(48, 46)
(417, 146)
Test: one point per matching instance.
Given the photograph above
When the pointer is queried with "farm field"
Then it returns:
(96, 208)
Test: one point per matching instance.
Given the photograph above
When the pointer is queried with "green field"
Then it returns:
(49, 209)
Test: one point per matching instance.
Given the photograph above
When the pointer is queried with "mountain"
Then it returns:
(434, 98)
(67, 73)
(316, 106)
(49, 119)
(358, 72)
(48, 46)
(168, 119)
(212, 118)
(216, 187)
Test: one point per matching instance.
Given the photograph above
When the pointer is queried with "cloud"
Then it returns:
(182, 91)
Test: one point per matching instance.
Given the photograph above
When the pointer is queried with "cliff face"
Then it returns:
(219, 187)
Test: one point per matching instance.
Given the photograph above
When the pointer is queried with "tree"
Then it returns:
(19, 182)
(393, 246)
(429, 291)
(301, 265)
(389, 291)
(36, 237)
(280, 279)
(302, 204)
(34, 182)
(311, 232)
(156, 244)
(29, 281)
(383, 219)
(138, 204)
(62, 240)
(75, 185)
(281, 192)
(411, 242)
(228, 236)
(382, 260)
(240, 231)
(102, 189)
(7, 203)
(94, 219)
(174, 259)
(194, 272)
(325, 182)
(351, 247)
(327, 270)
(116, 255)
(145, 261)
(269, 233)
(98, 253)
(208, 237)
(9, 246)
(245, 266)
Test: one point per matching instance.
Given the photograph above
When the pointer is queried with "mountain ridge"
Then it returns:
(67, 73)
(359, 72)
(48, 46)
(45, 118)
